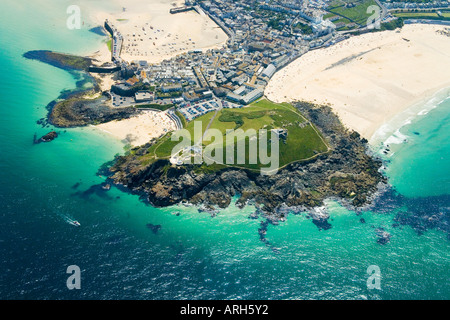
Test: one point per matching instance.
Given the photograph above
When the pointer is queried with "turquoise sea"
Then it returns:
(192, 256)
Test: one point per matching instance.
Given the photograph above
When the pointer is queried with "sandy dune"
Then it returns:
(370, 78)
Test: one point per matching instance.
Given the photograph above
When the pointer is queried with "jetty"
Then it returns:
(117, 42)
(181, 9)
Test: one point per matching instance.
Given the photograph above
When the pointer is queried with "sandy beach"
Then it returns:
(369, 79)
(152, 33)
(140, 129)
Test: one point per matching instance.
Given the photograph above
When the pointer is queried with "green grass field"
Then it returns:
(423, 15)
(109, 44)
(357, 14)
(303, 140)
(336, 22)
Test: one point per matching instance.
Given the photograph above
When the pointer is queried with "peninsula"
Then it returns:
(156, 79)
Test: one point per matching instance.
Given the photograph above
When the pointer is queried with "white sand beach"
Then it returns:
(369, 79)
(152, 33)
(140, 129)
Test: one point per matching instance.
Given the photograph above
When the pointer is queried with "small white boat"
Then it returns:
(76, 223)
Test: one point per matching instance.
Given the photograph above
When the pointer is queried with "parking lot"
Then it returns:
(119, 101)
(192, 111)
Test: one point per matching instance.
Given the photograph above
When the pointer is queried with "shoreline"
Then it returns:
(369, 79)
(386, 133)
(140, 129)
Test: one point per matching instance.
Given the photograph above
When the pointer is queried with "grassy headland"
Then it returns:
(320, 158)
(303, 139)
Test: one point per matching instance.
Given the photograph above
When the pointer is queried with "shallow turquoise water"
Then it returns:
(193, 256)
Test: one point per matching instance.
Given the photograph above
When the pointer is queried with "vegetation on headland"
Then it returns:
(346, 171)
(303, 141)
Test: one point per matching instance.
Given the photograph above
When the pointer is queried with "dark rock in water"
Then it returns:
(322, 224)
(253, 215)
(154, 228)
(262, 230)
(320, 218)
(76, 185)
(42, 122)
(383, 236)
(47, 138)
(208, 209)
(106, 186)
(425, 213)
(362, 220)
(96, 189)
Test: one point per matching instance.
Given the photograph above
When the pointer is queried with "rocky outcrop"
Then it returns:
(52, 135)
(347, 172)
(383, 236)
(76, 112)
(60, 60)
(72, 108)
(154, 228)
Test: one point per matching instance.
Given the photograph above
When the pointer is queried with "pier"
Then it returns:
(117, 42)
(181, 9)
(105, 69)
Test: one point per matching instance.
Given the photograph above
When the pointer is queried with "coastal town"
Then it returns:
(262, 39)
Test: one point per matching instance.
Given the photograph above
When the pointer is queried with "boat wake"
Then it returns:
(71, 221)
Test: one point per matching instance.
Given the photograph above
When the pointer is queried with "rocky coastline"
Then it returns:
(86, 104)
(347, 172)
